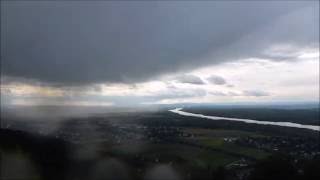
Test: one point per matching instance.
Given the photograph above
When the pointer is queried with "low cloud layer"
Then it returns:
(245, 93)
(218, 80)
(190, 79)
(256, 93)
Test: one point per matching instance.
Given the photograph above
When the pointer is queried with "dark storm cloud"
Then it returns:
(79, 43)
(218, 80)
(190, 79)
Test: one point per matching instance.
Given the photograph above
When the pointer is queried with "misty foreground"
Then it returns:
(159, 144)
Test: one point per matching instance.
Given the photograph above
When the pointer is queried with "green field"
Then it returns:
(221, 144)
(215, 139)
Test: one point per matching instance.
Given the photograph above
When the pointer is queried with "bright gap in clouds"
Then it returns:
(244, 80)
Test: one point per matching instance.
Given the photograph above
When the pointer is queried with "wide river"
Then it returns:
(251, 121)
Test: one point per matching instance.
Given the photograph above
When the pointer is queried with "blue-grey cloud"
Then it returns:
(190, 79)
(256, 93)
(218, 80)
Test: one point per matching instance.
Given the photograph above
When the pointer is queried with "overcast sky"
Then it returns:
(137, 52)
